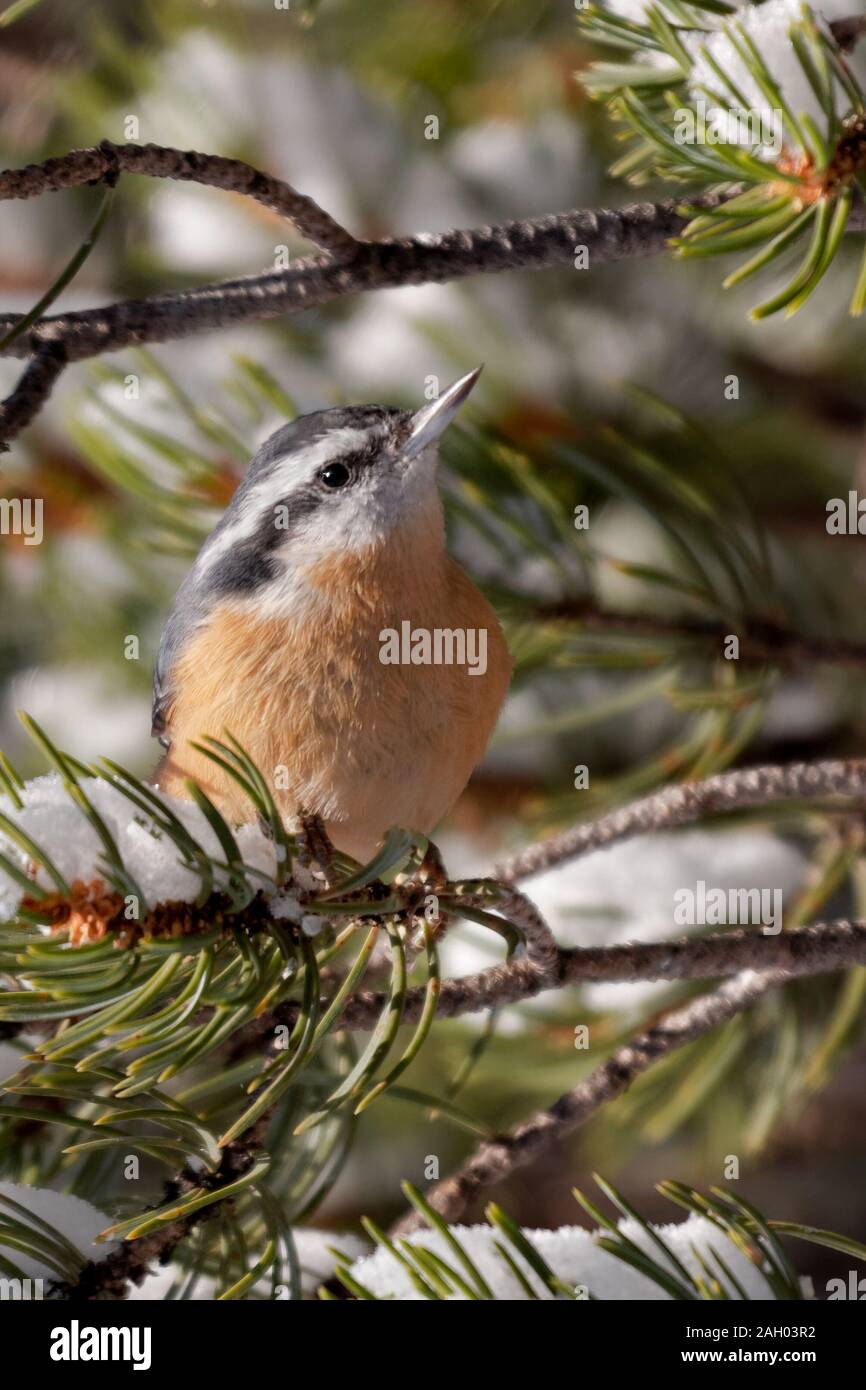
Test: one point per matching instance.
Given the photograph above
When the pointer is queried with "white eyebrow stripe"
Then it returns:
(289, 474)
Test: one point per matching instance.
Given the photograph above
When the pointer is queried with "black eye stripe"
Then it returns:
(358, 459)
(280, 521)
(247, 561)
(250, 564)
(343, 470)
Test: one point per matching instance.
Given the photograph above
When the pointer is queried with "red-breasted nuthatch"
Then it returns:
(325, 625)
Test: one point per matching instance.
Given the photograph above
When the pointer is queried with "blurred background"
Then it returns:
(608, 388)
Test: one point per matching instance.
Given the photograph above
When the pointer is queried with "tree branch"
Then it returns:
(690, 801)
(31, 393)
(758, 961)
(642, 229)
(541, 951)
(814, 950)
(133, 1260)
(351, 266)
(541, 964)
(107, 160)
(494, 1160)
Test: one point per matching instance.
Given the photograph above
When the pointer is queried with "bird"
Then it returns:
(283, 633)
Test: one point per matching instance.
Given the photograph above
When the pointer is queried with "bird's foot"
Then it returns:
(431, 872)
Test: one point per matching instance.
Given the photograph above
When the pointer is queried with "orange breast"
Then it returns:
(364, 744)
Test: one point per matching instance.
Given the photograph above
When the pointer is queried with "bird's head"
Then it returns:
(328, 484)
(329, 491)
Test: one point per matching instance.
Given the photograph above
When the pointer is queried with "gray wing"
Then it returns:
(163, 691)
(186, 614)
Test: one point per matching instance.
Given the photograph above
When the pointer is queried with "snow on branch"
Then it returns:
(169, 858)
(760, 93)
(572, 1262)
(257, 910)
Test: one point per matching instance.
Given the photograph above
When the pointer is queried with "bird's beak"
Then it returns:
(432, 419)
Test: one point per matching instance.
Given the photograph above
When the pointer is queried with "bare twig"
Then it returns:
(817, 949)
(106, 161)
(494, 1160)
(847, 32)
(642, 229)
(31, 393)
(538, 940)
(350, 267)
(691, 801)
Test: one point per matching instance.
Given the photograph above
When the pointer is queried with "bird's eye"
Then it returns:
(335, 475)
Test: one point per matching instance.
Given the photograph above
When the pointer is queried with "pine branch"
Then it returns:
(761, 641)
(351, 266)
(355, 897)
(92, 913)
(133, 1260)
(686, 802)
(817, 154)
(36, 384)
(818, 949)
(333, 1002)
(495, 1160)
(107, 161)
